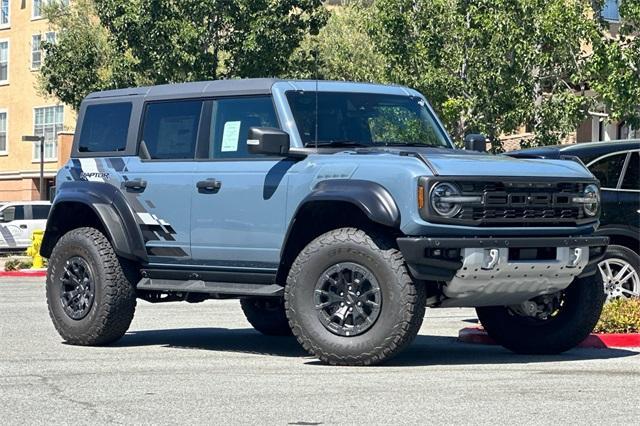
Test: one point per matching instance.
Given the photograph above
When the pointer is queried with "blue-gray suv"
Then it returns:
(334, 211)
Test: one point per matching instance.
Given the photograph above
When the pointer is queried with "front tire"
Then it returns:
(90, 300)
(350, 300)
(570, 321)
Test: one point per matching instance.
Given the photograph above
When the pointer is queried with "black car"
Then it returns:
(616, 165)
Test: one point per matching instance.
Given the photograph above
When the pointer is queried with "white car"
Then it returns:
(18, 220)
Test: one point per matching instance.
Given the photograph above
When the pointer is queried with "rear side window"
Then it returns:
(105, 128)
(40, 212)
(171, 130)
(608, 170)
(632, 177)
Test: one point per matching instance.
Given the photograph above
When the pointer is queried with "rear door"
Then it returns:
(38, 216)
(159, 180)
(14, 228)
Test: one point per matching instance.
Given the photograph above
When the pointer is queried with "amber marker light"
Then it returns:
(420, 197)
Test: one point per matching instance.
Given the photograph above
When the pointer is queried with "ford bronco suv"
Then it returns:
(334, 211)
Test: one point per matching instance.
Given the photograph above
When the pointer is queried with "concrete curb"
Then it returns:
(614, 340)
(24, 273)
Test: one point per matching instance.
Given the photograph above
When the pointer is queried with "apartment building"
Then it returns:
(23, 111)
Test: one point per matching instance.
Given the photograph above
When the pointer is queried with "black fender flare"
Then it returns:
(111, 208)
(372, 198)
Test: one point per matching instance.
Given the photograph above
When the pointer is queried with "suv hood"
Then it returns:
(455, 162)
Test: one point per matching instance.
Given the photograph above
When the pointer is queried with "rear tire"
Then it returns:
(266, 315)
(350, 299)
(90, 299)
(573, 322)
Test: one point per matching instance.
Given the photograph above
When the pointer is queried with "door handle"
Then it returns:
(23, 226)
(135, 185)
(209, 186)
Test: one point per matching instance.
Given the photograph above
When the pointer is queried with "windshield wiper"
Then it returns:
(337, 143)
(394, 143)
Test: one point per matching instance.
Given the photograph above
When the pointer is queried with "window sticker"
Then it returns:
(230, 136)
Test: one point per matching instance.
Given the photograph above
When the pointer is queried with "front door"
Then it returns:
(14, 228)
(629, 194)
(158, 182)
(239, 199)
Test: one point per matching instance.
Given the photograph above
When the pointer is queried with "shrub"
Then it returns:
(17, 264)
(620, 316)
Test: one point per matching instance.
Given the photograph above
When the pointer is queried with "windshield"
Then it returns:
(364, 119)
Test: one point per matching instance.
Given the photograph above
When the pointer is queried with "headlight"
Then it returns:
(443, 199)
(590, 200)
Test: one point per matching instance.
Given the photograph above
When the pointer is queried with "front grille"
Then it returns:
(520, 203)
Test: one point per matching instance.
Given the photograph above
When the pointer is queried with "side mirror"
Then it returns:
(475, 142)
(268, 140)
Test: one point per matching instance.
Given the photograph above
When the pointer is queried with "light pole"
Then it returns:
(41, 140)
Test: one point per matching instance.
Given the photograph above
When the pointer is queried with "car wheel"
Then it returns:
(620, 271)
(266, 314)
(350, 300)
(548, 324)
(91, 301)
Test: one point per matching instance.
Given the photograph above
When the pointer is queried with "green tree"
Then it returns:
(614, 68)
(342, 50)
(106, 44)
(490, 65)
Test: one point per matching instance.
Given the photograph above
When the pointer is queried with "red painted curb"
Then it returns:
(613, 340)
(24, 273)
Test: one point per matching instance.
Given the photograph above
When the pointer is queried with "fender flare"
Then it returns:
(110, 207)
(370, 197)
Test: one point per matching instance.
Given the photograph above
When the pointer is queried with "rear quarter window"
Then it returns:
(105, 127)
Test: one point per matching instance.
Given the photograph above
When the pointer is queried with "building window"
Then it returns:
(39, 5)
(4, 13)
(611, 11)
(48, 123)
(3, 132)
(37, 53)
(4, 61)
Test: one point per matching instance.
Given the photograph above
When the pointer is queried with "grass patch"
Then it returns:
(620, 316)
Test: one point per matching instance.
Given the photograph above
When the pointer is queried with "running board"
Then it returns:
(199, 286)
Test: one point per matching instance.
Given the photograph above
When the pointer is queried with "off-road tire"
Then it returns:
(577, 317)
(402, 308)
(266, 315)
(115, 298)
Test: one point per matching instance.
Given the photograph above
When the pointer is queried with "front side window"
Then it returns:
(364, 119)
(171, 130)
(105, 127)
(48, 122)
(631, 178)
(608, 170)
(3, 131)
(13, 213)
(4, 61)
(4, 13)
(230, 122)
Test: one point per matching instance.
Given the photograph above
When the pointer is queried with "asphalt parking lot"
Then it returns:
(203, 363)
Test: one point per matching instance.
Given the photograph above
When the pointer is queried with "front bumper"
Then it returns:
(438, 259)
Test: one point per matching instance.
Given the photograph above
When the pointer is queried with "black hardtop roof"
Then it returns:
(249, 86)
